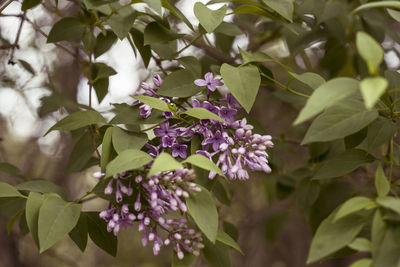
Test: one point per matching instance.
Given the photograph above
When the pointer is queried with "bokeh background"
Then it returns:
(271, 230)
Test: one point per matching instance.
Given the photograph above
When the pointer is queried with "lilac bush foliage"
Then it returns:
(157, 202)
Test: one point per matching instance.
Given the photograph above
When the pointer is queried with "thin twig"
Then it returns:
(90, 82)
(16, 45)
(5, 5)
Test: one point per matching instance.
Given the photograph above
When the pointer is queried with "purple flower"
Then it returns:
(165, 130)
(210, 107)
(215, 140)
(227, 114)
(145, 110)
(179, 150)
(231, 101)
(209, 82)
(157, 80)
(167, 141)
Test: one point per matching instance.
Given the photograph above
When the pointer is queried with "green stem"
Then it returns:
(391, 160)
(82, 197)
(283, 86)
(150, 128)
(190, 43)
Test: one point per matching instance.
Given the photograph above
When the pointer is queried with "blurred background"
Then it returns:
(271, 229)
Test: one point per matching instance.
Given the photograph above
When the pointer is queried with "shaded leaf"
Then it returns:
(97, 229)
(343, 163)
(179, 83)
(42, 186)
(66, 29)
(202, 208)
(7, 190)
(80, 233)
(381, 183)
(227, 240)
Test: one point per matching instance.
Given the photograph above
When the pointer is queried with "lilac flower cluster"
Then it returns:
(157, 196)
(231, 144)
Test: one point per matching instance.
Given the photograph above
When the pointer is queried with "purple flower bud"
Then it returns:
(157, 80)
(109, 189)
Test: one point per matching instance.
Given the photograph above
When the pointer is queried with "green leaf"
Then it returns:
(227, 240)
(388, 247)
(192, 64)
(122, 21)
(33, 205)
(341, 120)
(203, 114)
(331, 237)
(89, 41)
(12, 221)
(56, 219)
(370, 50)
(360, 244)
(129, 159)
(104, 43)
(123, 140)
(309, 78)
(81, 153)
(164, 162)
(307, 193)
(66, 29)
(202, 208)
(7, 190)
(187, 261)
(152, 102)
(362, 263)
(282, 7)
(10, 169)
(101, 70)
(126, 114)
(155, 33)
(343, 163)
(154, 4)
(78, 120)
(372, 89)
(327, 95)
(390, 203)
(229, 29)
(179, 83)
(176, 12)
(379, 132)
(352, 205)
(42, 186)
(394, 14)
(28, 4)
(144, 50)
(27, 66)
(394, 4)
(243, 82)
(219, 191)
(381, 183)
(11, 205)
(209, 19)
(80, 233)
(97, 229)
(217, 255)
(101, 88)
(106, 149)
(204, 163)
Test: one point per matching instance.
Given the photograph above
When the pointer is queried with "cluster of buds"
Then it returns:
(157, 196)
